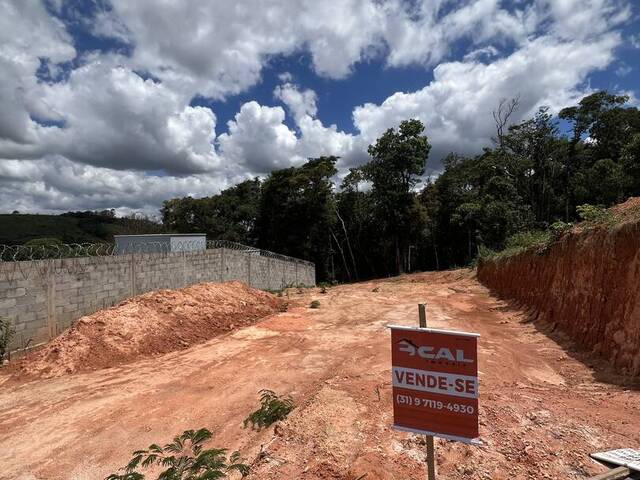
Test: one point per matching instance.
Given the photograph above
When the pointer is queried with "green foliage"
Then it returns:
(525, 240)
(485, 253)
(71, 227)
(593, 214)
(630, 160)
(315, 304)
(559, 227)
(273, 408)
(518, 243)
(183, 459)
(604, 118)
(230, 215)
(7, 331)
(398, 159)
(297, 212)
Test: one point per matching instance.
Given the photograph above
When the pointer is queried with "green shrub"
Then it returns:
(315, 304)
(517, 243)
(524, 240)
(7, 331)
(558, 228)
(485, 253)
(184, 459)
(593, 213)
(272, 409)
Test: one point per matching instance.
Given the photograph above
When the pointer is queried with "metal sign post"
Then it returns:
(435, 384)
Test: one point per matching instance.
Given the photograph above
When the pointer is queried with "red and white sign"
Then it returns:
(435, 382)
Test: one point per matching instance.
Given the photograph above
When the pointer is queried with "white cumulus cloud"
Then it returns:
(456, 106)
(82, 129)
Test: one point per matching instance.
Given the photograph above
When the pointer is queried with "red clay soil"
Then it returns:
(628, 211)
(586, 285)
(543, 407)
(150, 324)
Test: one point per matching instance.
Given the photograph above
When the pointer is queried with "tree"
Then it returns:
(598, 115)
(631, 165)
(603, 119)
(398, 160)
(501, 118)
(359, 230)
(230, 215)
(139, 223)
(536, 156)
(297, 212)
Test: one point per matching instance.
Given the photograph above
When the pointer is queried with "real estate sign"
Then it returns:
(435, 382)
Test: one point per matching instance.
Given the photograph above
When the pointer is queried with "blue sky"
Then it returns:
(370, 81)
(119, 104)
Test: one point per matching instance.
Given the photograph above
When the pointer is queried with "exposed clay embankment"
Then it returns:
(587, 285)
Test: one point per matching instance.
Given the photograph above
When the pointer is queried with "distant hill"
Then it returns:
(72, 227)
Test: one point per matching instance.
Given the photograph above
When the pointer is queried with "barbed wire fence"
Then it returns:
(23, 261)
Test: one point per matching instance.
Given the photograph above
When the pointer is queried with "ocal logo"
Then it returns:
(432, 353)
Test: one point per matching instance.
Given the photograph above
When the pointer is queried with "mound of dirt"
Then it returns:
(153, 323)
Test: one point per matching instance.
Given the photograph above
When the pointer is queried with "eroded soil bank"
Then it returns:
(587, 285)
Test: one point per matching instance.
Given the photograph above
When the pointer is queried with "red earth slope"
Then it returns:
(587, 285)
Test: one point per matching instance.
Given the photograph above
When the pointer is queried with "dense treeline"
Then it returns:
(377, 222)
(71, 227)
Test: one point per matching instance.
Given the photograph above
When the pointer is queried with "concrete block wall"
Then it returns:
(42, 298)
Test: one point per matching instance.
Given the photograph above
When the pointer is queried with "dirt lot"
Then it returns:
(543, 408)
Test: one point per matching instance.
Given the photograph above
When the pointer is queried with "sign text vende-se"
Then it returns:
(435, 382)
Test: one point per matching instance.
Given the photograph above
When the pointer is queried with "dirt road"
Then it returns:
(542, 409)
